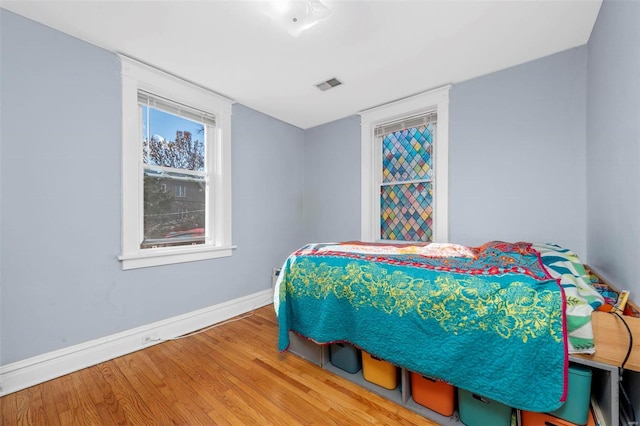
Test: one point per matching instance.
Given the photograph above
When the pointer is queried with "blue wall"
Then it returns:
(332, 181)
(613, 144)
(517, 154)
(613, 152)
(60, 180)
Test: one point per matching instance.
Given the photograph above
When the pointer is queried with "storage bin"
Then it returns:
(434, 394)
(576, 407)
(305, 348)
(476, 410)
(530, 418)
(346, 357)
(379, 372)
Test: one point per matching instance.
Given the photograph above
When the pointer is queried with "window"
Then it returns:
(406, 187)
(175, 170)
(404, 169)
(181, 191)
(173, 152)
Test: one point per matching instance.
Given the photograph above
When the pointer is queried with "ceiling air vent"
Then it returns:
(331, 83)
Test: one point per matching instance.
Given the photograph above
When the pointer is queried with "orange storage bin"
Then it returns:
(434, 394)
(529, 418)
(379, 372)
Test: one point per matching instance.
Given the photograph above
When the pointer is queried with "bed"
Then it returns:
(498, 320)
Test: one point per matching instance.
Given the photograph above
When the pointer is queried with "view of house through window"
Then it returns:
(406, 189)
(175, 179)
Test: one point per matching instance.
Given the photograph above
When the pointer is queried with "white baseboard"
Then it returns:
(25, 373)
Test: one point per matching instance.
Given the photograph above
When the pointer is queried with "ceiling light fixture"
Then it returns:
(296, 16)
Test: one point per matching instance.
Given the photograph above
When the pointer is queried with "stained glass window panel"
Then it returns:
(408, 154)
(406, 212)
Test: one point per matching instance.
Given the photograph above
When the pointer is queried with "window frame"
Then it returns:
(137, 76)
(180, 191)
(437, 101)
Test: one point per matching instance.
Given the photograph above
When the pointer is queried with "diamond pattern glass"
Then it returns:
(406, 212)
(408, 154)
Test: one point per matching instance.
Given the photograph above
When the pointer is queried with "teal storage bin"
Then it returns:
(476, 410)
(576, 407)
(346, 357)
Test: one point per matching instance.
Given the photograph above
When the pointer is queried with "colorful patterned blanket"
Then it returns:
(489, 319)
(580, 295)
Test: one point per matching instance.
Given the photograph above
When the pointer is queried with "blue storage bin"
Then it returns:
(476, 410)
(576, 407)
(346, 357)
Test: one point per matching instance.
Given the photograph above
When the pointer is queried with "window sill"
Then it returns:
(168, 256)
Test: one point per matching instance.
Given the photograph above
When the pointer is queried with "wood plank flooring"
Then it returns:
(229, 375)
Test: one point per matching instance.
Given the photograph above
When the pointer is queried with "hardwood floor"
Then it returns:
(229, 375)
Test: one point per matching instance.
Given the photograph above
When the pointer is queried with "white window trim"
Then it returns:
(137, 76)
(371, 174)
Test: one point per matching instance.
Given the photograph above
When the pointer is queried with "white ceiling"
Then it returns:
(381, 50)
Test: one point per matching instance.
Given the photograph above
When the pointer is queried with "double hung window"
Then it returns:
(406, 187)
(174, 144)
(175, 171)
(404, 169)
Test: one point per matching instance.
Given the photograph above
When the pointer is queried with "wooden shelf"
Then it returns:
(612, 340)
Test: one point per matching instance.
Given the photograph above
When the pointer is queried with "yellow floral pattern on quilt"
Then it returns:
(457, 303)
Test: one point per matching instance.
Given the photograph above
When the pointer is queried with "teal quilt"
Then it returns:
(490, 319)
